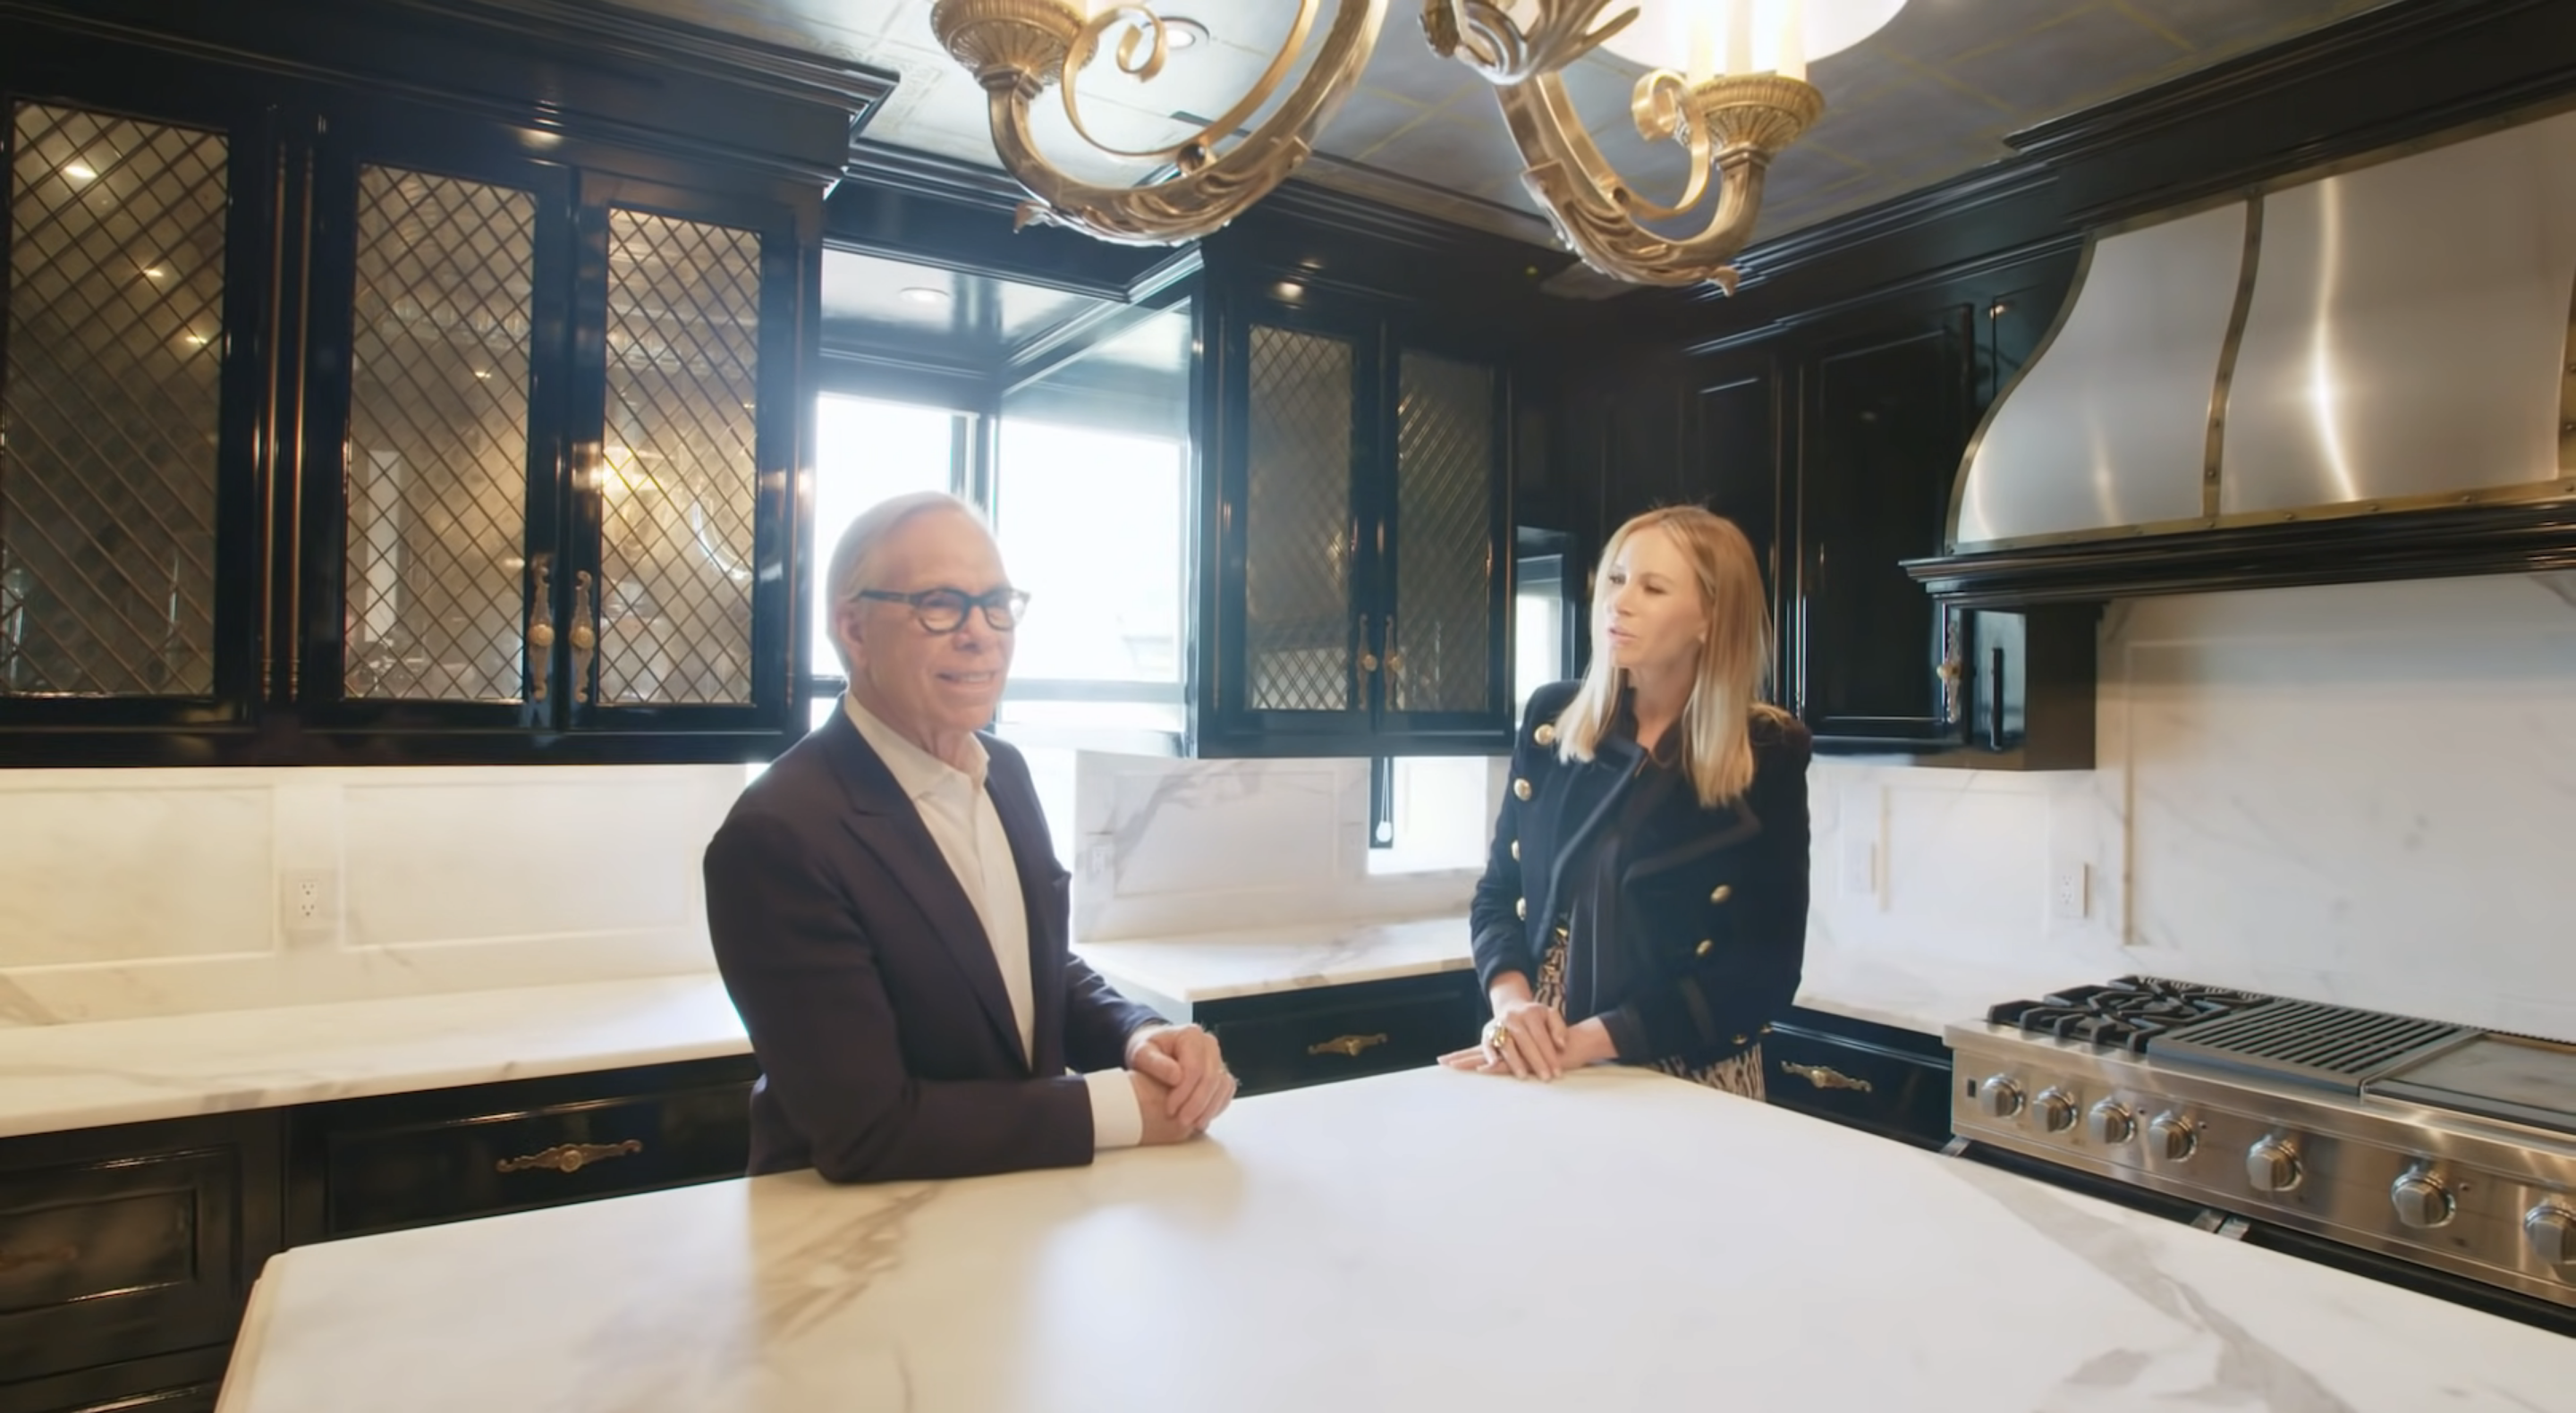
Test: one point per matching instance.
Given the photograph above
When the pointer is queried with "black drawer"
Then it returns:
(1343, 1032)
(1893, 1083)
(166, 1383)
(370, 1165)
(121, 1243)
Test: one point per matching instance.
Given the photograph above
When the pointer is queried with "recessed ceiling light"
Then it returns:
(1181, 32)
(79, 171)
(922, 294)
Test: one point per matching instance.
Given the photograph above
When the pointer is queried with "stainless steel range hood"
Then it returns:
(2380, 338)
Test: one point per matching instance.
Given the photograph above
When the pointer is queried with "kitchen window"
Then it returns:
(1091, 520)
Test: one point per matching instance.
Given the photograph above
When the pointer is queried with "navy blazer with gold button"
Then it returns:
(1708, 929)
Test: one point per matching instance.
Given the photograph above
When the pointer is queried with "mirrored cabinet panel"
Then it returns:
(437, 556)
(111, 397)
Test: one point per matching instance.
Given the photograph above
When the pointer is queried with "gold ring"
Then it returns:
(1497, 1035)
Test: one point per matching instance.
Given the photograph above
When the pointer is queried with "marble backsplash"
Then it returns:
(156, 892)
(1168, 847)
(2359, 793)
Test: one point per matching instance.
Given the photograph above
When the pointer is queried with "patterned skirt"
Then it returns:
(1736, 1074)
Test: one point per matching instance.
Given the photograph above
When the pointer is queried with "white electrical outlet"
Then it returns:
(2070, 894)
(1860, 868)
(308, 900)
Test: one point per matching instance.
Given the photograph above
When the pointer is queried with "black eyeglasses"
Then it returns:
(944, 610)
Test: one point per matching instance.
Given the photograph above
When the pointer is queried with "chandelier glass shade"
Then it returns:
(1729, 85)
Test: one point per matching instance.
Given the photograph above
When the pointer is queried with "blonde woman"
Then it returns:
(1645, 899)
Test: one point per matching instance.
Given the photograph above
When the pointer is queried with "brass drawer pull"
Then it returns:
(49, 1256)
(1346, 1044)
(569, 1157)
(1824, 1077)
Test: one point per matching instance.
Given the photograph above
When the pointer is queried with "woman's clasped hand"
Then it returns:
(1528, 1039)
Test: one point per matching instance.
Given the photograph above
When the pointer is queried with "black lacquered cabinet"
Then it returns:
(368, 1165)
(126, 1255)
(1297, 1038)
(405, 382)
(1355, 525)
(1894, 1083)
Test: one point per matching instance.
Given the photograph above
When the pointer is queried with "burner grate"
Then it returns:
(2126, 1014)
(2331, 1047)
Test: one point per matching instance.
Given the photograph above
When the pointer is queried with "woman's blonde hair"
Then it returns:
(1734, 656)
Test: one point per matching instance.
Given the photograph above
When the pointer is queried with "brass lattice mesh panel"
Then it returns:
(1297, 602)
(679, 483)
(438, 438)
(1444, 503)
(111, 401)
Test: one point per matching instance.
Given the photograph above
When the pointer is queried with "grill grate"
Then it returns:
(2331, 1047)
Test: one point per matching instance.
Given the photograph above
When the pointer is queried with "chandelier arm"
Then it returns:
(1481, 35)
(1583, 195)
(1661, 106)
(1205, 194)
(1079, 57)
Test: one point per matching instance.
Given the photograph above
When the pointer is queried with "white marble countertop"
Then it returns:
(1422, 1240)
(1927, 992)
(1257, 963)
(93, 1073)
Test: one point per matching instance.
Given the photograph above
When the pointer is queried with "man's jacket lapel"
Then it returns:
(888, 825)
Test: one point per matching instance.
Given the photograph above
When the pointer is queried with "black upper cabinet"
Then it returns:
(1833, 439)
(361, 413)
(1885, 416)
(1356, 526)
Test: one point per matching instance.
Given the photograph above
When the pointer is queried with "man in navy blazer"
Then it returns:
(890, 918)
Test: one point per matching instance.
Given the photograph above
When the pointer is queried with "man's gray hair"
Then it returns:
(854, 558)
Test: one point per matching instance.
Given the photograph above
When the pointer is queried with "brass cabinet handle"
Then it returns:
(1346, 1044)
(1394, 654)
(1368, 660)
(1825, 1077)
(541, 625)
(569, 1157)
(49, 1256)
(585, 638)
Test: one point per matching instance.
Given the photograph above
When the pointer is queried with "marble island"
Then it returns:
(1424, 1240)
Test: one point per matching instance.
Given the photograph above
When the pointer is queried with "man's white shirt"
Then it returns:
(958, 811)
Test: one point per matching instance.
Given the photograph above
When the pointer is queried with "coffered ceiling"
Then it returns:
(1930, 96)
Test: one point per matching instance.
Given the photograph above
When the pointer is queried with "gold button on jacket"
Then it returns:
(1545, 735)
(1516, 851)
(1722, 892)
(1706, 946)
(1521, 788)
(1520, 909)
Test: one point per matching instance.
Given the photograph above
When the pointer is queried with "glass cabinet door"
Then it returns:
(437, 559)
(678, 478)
(1444, 621)
(1302, 638)
(112, 399)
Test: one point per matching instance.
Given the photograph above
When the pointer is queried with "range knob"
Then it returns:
(2172, 1138)
(1999, 1097)
(2272, 1166)
(2422, 1200)
(2107, 1123)
(2551, 1233)
(2054, 1110)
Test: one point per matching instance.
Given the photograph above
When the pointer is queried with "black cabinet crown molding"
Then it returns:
(587, 73)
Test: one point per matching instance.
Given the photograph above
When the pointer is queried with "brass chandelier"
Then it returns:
(1732, 111)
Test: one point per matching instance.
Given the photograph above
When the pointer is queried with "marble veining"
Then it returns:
(1392, 1243)
(1215, 967)
(127, 1071)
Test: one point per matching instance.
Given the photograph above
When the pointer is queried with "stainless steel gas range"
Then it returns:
(2436, 1143)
